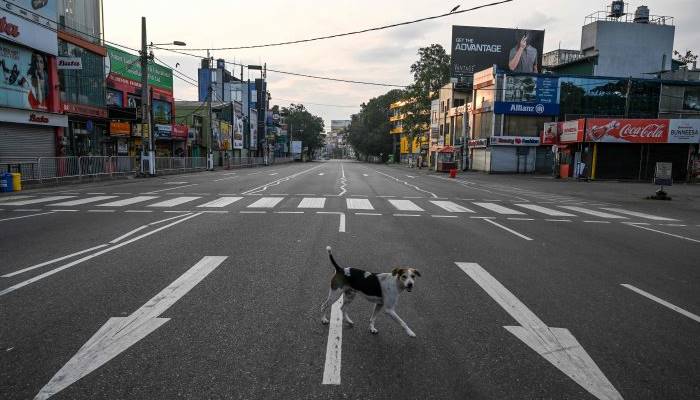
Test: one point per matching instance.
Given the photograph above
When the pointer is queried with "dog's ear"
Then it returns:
(396, 271)
(416, 272)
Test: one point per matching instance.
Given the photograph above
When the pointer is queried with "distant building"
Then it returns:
(338, 125)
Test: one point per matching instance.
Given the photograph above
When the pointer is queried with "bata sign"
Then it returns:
(627, 130)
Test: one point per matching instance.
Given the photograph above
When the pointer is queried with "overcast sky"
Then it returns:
(383, 56)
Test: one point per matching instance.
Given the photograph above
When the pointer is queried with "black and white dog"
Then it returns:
(381, 289)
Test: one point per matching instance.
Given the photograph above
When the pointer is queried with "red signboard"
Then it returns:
(81, 109)
(179, 131)
(572, 131)
(627, 130)
(551, 133)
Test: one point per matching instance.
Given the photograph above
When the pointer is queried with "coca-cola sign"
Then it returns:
(627, 130)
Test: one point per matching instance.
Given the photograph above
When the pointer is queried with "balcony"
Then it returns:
(396, 130)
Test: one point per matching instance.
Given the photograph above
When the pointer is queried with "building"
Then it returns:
(619, 43)
(83, 89)
(447, 116)
(31, 120)
(339, 125)
(406, 149)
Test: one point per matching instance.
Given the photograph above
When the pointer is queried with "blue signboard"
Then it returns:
(529, 95)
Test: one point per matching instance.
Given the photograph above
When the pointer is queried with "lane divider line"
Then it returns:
(505, 228)
(664, 303)
(55, 260)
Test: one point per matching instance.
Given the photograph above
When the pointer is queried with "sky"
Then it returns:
(384, 56)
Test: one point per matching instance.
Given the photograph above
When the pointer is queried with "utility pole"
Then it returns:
(145, 106)
(210, 136)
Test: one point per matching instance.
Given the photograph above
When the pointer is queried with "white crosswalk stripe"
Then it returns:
(359, 204)
(83, 201)
(129, 201)
(312, 202)
(451, 207)
(638, 214)
(266, 202)
(499, 209)
(175, 202)
(405, 205)
(545, 210)
(220, 202)
(36, 201)
(595, 213)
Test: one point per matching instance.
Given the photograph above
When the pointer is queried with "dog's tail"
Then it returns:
(335, 264)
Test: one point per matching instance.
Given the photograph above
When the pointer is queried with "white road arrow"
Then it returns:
(118, 334)
(556, 345)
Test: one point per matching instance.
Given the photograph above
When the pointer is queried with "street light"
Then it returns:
(174, 43)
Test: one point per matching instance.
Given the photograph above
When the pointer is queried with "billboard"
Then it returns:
(684, 131)
(512, 50)
(572, 131)
(31, 23)
(296, 146)
(24, 79)
(529, 95)
(125, 65)
(550, 134)
(238, 133)
(627, 130)
(514, 141)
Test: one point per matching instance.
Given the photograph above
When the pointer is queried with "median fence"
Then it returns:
(59, 169)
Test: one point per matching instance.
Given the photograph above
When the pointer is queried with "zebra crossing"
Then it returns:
(352, 204)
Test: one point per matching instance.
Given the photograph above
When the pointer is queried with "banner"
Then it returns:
(477, 48)
(550, 134)
(684, 131)
(572, 131)
(529, 95)
(24, 79)
(514, 141)
(238, 133)
(627, 130)
(296, 147)
(128, 66)
(35, 27)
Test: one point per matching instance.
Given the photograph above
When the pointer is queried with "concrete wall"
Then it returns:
(628, 49)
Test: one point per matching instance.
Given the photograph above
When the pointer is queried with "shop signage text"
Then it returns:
(514, 141)
(119, 128)
(474, 143)
(39, 119)
(32, 117)
(70, 63)
(572, 131)
(627, 130)
(84, 110)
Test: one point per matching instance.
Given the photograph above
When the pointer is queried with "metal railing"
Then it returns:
(46, 169)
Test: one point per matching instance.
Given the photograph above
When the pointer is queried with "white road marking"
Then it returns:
(175, 202)
(225, 179)
(165, 220)
(120, 333)
(365, 175)
(372, 214)
(595, 213)
(638, 214)
(405, 205)
(179, 212)
(334, 346)
(126, 235)
(274, 173)
(312, 202)
(264, 187)
(102, 211)
(444, 216)
(82, 201)
(343, 181)
(387, 197)
(221, 202)
(341, 226)
(676, 225)
(664, 233)
(253, 212)
(499, 209)
(520, 219)
(411, 176)
(55, 260)
(36, 201)
(556, 345)
(123, 193)
(545, 210)
(596, 222)
(558, 220)
(91, 256)
(490, 221)
(174, 183)
(406, 215)
(266, 202)
(408, 184)
(27, 216)
(289, 212)
(663, 302)
(27, 210)
(451, 207)
(129, 201)
(13, 198)
(359, 204)
(321, 174)
(64, 210)
(172, 188)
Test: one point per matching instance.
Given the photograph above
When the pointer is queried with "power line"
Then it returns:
(360, 31)
(315, 104)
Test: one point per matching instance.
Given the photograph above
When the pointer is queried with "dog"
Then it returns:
(381, 289)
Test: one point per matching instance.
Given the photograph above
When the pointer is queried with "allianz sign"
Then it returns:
(526, 108)
(522, 108)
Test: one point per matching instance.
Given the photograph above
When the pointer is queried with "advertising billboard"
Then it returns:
(238, 133)
(572, 131)
(684, 131)
(550, 134)
(512, 50)
(529, 95)
(30, 23)
(128, 66)
(296, 146)
(24, 79)
(627, 130)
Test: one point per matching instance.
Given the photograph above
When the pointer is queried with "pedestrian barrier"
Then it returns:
(58, 169)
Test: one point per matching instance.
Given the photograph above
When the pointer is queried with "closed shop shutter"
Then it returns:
(618, 161)
(479, 160)
(503, 159)
(545, 160)
(18, 140)
(677, 154)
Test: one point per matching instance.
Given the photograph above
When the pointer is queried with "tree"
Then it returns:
(430, 73)
(304, 126)
(368, 133)
(688, 58)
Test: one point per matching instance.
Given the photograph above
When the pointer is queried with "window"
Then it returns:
(518, 125)
(82, 18)
(115, 98)
(162, 112)
(85, 86)
(483, 125)
(691, 100)
(590, 97)
(459, 102)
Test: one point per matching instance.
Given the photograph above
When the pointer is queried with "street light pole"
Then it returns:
(210, 136)
(145, 106)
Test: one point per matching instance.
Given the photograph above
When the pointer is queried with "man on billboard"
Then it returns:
(523, 57)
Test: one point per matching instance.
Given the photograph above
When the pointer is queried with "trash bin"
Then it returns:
(6, 182)
(16, 182)
(453, 173)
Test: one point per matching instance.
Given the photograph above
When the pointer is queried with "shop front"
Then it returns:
(163, 140)
(569, 148)
(87, 131)
(479, 157)
(120, 132)
(630, 148)
(179, 140)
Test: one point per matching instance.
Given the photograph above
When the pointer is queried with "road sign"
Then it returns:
(663, 175)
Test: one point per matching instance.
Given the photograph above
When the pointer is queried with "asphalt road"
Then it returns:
(208, 286)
